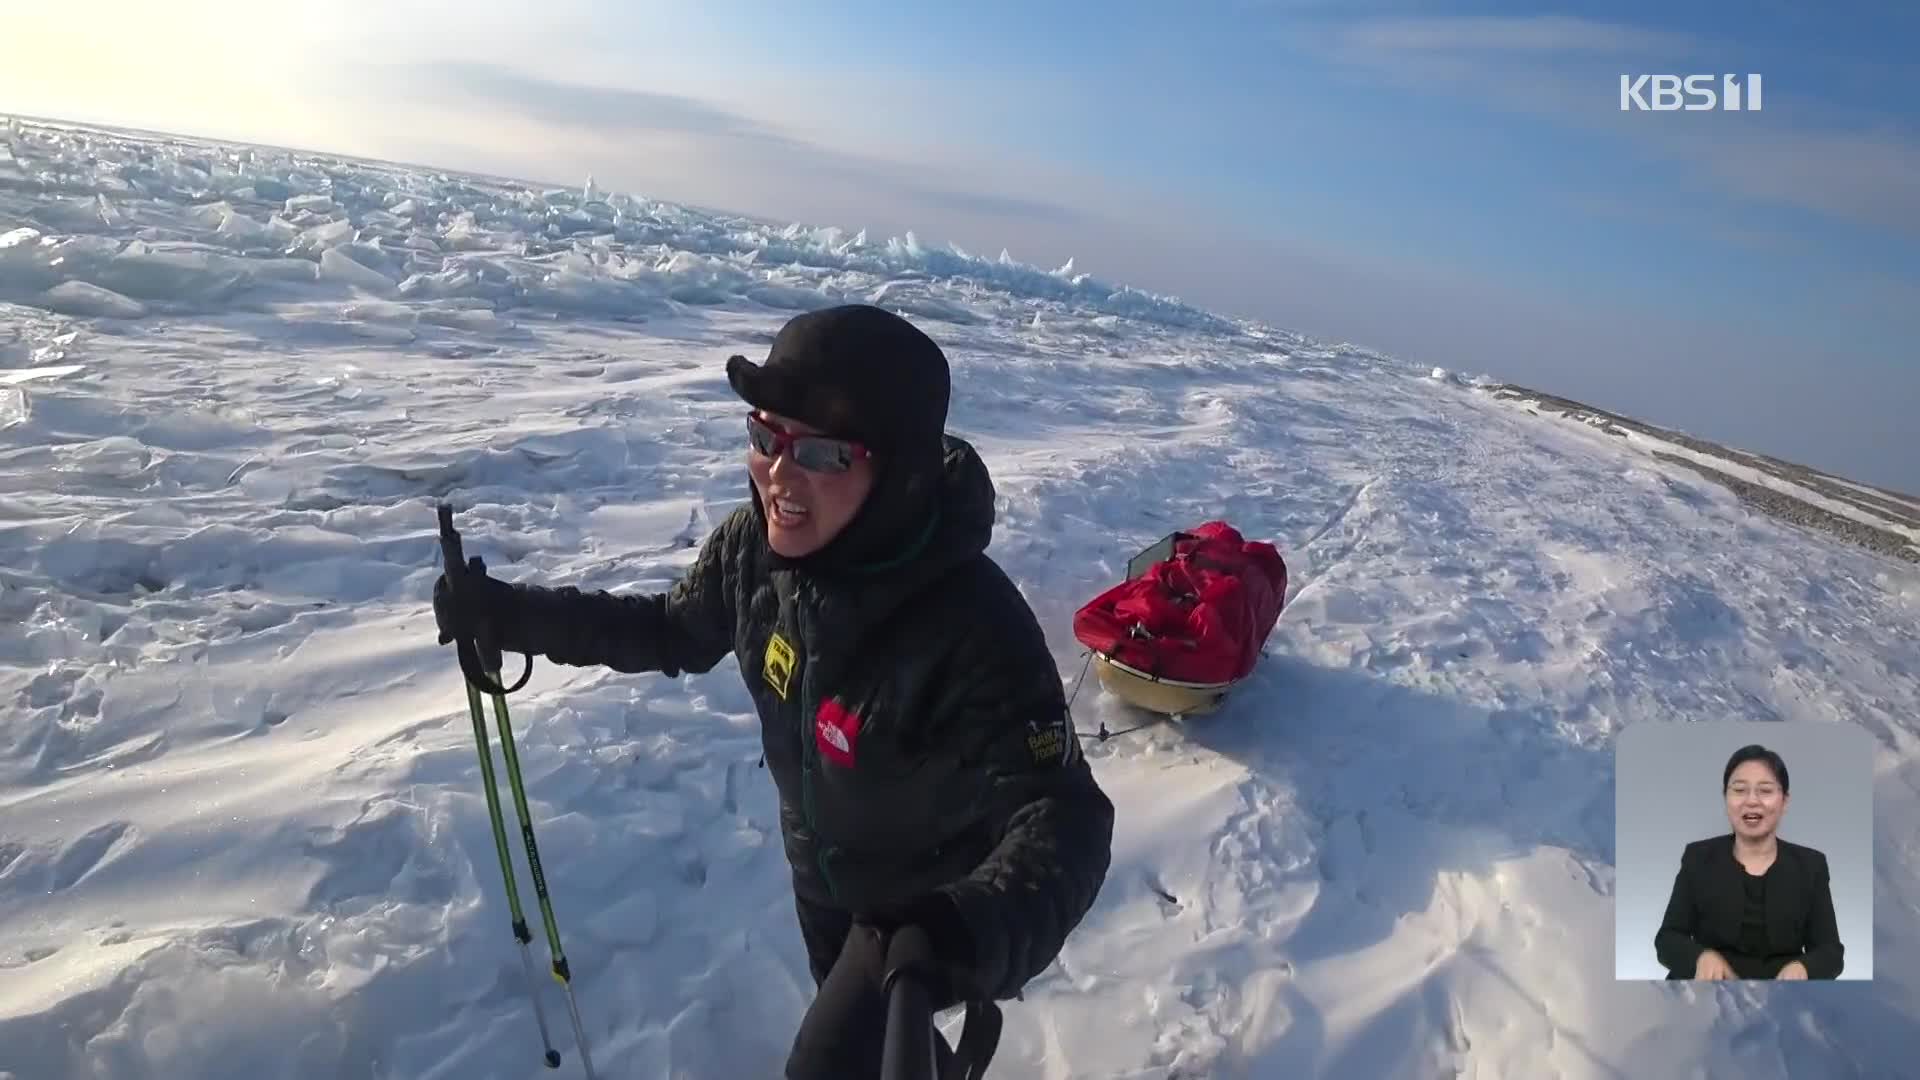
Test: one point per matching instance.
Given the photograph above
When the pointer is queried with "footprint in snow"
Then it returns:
(87, 854)
(694, 871)
(1169, 904)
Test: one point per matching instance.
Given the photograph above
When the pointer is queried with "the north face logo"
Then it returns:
(835, 731)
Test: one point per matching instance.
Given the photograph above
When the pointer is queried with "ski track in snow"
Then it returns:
(241, 830)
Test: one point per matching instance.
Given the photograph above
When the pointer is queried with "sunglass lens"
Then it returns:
(811, 452)
(762, 437)
(822, 455)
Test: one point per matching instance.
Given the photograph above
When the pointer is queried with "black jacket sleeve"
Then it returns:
(1673, 943)
(1050, 823)
(687, 628)
(1825, 954)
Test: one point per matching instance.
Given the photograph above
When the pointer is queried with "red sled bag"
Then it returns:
(1197, 613)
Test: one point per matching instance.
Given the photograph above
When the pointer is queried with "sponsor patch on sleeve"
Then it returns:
(1055, 743)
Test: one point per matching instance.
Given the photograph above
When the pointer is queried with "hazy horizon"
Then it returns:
(1455, 189)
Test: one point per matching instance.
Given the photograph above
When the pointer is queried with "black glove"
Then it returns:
(479, 611)
(930, 942)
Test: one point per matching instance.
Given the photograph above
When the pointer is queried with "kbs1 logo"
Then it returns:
(1694, 93)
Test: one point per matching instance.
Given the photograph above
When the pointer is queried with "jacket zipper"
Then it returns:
(810, 753)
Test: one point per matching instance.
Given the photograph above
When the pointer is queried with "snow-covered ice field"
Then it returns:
(241, 826)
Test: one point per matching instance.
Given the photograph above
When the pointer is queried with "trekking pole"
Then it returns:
(480, 662)
(561, 972)
(908, 1052)
(520, 932)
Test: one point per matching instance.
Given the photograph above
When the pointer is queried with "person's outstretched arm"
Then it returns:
(688, 628)
(1673, 943)
(1825, 954)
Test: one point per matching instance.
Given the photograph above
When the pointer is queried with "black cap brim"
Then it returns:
(784, 393)
(757, 386)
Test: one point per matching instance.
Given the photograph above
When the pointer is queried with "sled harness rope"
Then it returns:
(1103, 734)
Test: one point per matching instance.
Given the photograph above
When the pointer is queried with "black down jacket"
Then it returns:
(911, 714)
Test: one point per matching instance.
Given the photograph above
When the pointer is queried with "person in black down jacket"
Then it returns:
(1747, 904)
(936, 809)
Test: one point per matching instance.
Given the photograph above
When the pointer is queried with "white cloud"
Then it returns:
(1567, 70)
(1866, 176)
(1507, 33)
(687, 148)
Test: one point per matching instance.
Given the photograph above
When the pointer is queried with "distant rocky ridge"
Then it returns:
(1895, 509)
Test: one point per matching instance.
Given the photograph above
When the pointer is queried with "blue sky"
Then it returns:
(1452, 183)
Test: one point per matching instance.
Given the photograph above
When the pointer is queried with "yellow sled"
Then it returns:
(1168, 696)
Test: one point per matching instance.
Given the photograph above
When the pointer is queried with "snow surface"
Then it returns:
(241, 830)
(1752, 475)
(1761, 477)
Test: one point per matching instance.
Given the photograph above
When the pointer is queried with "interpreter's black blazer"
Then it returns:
(1709, 898)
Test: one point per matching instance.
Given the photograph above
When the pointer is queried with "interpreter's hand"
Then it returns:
(1712, 966)
(1794, 970)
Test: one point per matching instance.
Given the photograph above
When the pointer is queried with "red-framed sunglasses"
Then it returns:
(814, 453)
